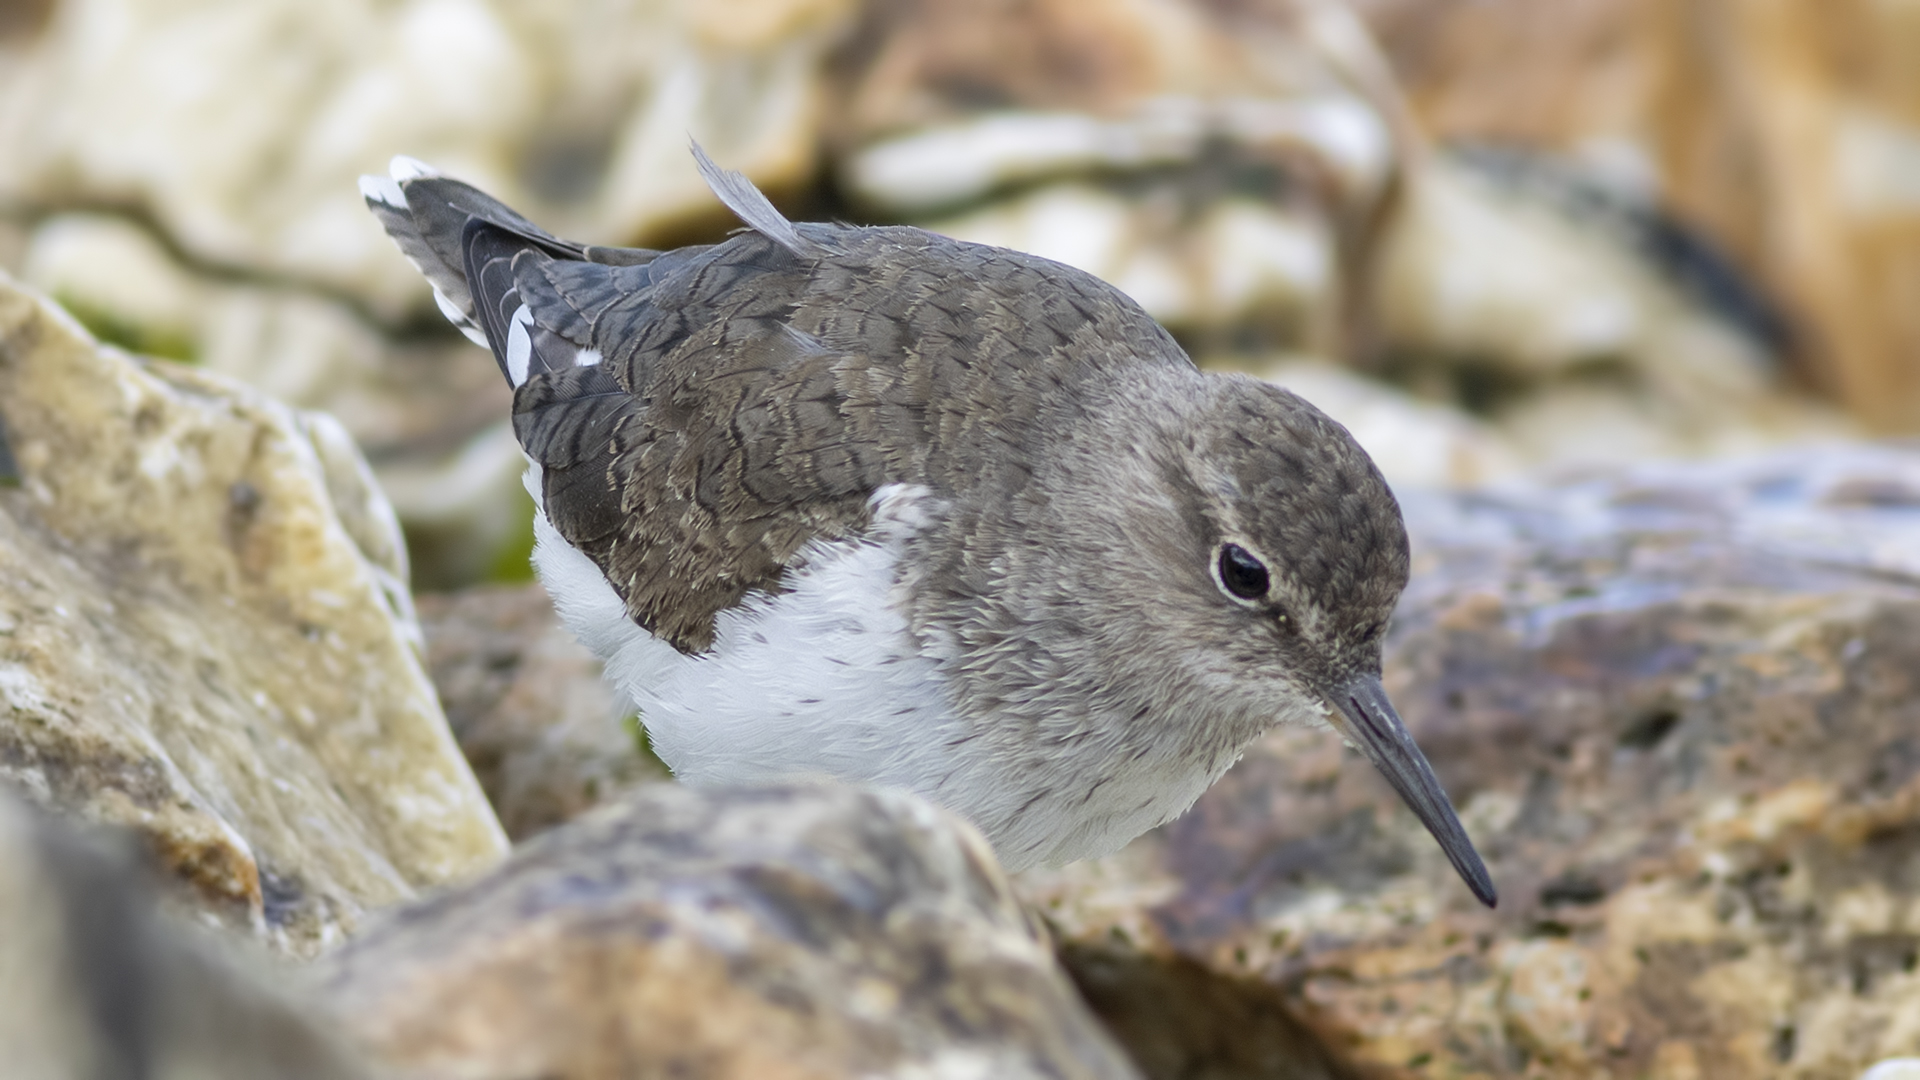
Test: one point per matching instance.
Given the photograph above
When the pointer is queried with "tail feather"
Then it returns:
(426, 214)
(511, 286)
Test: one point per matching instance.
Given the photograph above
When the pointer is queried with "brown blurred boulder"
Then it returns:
(1789, 132)
(768, 933)
(545, 734)
(95, 983)
(208, 638)
(1678, 710)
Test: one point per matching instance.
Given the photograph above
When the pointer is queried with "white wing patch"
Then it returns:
(587, 358)
(519, 346)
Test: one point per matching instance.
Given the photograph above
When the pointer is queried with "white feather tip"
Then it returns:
(382, 189)
(404, 168)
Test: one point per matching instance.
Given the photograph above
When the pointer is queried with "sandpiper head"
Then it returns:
(1305, 555)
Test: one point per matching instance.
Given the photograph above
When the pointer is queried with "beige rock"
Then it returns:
(758, 933)
(210, 640)
(1787, 131)
(93, 982)
(1555, 325)
(1676, 707)
(431, 412)
(545, 734)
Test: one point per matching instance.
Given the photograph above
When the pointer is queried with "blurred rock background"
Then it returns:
(1491, 236)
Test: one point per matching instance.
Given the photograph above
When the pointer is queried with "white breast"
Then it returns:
(822, 679)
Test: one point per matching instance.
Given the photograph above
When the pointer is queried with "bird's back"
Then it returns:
(700, 416)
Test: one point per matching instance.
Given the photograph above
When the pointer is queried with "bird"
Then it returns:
(872, 504)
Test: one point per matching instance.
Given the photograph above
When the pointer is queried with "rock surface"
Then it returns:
(94, 983)
(208, 637)
(766, 934)
(1678, 709)
(546, 736)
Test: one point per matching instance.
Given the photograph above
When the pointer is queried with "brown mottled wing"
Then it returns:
(750, 400)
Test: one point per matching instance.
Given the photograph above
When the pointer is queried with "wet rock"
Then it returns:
(208, 637)
(782, 932)
(94, 982)
(546, 736)
(1676, 707)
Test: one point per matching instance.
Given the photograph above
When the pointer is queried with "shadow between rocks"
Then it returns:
(1179, 1020)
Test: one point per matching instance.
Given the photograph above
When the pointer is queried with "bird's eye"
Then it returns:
(1243, 575)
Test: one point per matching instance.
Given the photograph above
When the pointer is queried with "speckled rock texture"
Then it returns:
(545, 734)
(769, 934)
(95, 983)
(205, 635)
(1679, 708)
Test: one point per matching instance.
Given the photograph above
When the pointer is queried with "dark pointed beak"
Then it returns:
(1365, 716)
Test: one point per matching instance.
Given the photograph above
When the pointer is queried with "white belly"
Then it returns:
(825, 680)
(822, 679)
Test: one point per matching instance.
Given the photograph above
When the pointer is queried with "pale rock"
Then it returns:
(240, 127)
(1472, 269)
(211, 640)
(95, 982)
(1600, 355)
(760, 934)
(1235, 261)
(1786, 132)
(1218, 166)
(432, 413)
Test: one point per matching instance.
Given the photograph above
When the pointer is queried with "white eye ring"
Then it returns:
(1242, 575)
